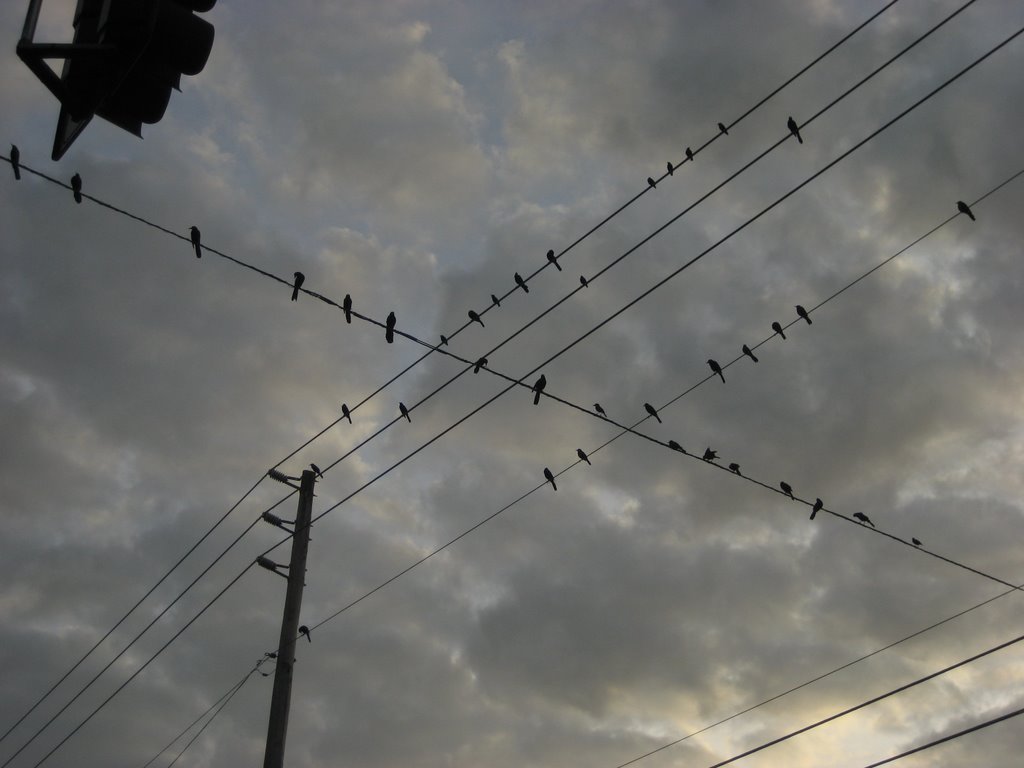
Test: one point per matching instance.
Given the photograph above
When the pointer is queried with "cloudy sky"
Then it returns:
(416, 155)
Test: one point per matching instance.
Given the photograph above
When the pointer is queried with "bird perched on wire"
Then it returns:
(670, 168)
(965, 208)
(196, 237)
(304, 630)
(76, 187)
(538, 387)
(583, 282)
(650, 409)
(748, 353)
(444, 340)
(916, 541)
(600, 410)
(723, 129)
(405, 412)
(794, 129)
(863, 518)
(299, 280)
(16, 162)
(716, 368)
(787, 489)
(583, 456)
(818, 504)
(521, 283)
(495, 301)
(676, 446)
(778, 329)
(734, 467)
(346, 307)
(651, 183)
(803, 313)
(709, 455)
(346, 413)
(553, 260)
(689, 154)
(479, 364)
(550, 478)
(476, 318)
(316, 470)
(389, 327)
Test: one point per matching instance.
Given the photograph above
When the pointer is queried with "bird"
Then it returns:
(389, 328)
(346, 412)
(650, 409)
(476, 318)
(299, 280)
(444, 340)
(716, 368)
(583, 281)
(723, 129)
(346, 307)
(794, 129)
(550, 478)
(960, 206)
(748, 353)
(803, 313)
(600, 410)
(787, 489)
(304, 630)
(538, 387)
(650, 183)
(193, 232)
(689, 154)
(405, 412)
(734, 467)
(863, 518)
(582, 455)
(670, 169)
(495, 301)
(778, 329)
(76, 187)
(316, 469)
(479, 364)
(521, 283)
(709, 455)
(818, 504)
(553, 260)
(917, 542)
(16, 162)
(676, 446)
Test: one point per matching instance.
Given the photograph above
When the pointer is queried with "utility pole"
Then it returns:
(277, 729)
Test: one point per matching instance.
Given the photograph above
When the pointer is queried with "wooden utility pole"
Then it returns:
(277, 729)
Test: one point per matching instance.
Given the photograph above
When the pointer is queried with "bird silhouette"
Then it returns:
(734, 467)
(676, 446)
(553, 260)
(803, 313)
(299, 280)
(76, 187)
(863, 518)
(495, 301)
(550, 478)
(794, 129)
(583, 281)
(716, 368)
(723, 129)
(389, 328)
(818, 504)
(316, 470)
(689, 154)
(600, 410)
(651, 410)
(650, 183)
(787, 489)
(444, 340)
(917, 542)
(479, 364)
(475, 318)
(16, 162)
(193, 232)
(346, 306)
(748, 353)
(346, 413)
(965, 208)
(669, 168)
(304, 630)
(709, 455)
(521, 283)
(405, 412)
(538, 387)
(583, 456)
(778, 329)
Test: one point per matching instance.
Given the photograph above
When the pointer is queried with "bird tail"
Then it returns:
(199, 251)
(295, 294)
(658, 418)
(536, 397)
(799, 138)
(390, 336)
(553, 485)
(17, 173)
(78, 197)
(722, 375)
(971, 215)
(753, 357)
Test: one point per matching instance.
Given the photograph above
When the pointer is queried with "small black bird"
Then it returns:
(600, 410)
(475, 318)
(917, 542)
(650, 183)
(794, 129)
(346, 306)
(670, 169)
(709, 455)
(863, 518)
(304, 630)
(389, 329)
(299, 280)
(538, 387)
(194, 234)
(734, 467)
(553, 260)
(583, 456)
(583, 281)
(748, 353)
(16, 162)
(778, 329)
(444, 340)
(405, 412)
(521, 283)
(550, 478)
(818, 504)
(965, 208)
(76, 187)
(479, 364)
(716, 368)
(650, 409)
(316, 469)
(495, 301)
(803, 313)
(787, 489)
(689, 154)
(723, 129)
(676, 446)
(346, 413)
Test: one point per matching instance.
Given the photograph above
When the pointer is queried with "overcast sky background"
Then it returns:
(416, 155)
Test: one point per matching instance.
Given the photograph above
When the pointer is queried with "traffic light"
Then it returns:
(126, 58)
